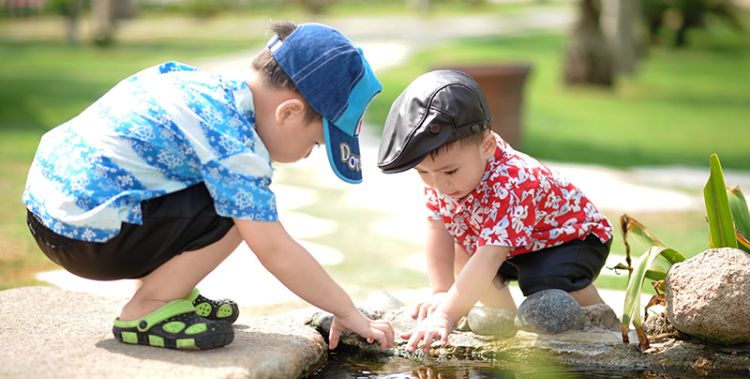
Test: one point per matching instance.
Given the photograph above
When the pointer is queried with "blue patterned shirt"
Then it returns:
(161, 130)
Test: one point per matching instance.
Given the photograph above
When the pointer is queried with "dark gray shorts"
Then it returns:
(569, 267)
(174, 223)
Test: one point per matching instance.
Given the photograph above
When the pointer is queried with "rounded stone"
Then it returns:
(549, 312)
(708, 296)
(494, 322)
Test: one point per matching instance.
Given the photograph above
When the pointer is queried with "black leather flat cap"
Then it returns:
(437, 108)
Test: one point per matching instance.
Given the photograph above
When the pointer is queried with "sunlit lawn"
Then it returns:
(681, 106)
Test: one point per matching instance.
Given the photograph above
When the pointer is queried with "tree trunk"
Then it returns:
(620, 23)
(589, 58)
(421, 6)
(103, 24)
(72, 20)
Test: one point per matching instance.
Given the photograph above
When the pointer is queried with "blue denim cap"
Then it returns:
(334, 77)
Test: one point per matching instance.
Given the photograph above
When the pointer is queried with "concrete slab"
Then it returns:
(48, 332)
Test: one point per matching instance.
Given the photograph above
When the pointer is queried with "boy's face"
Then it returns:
(309, 136)
(287, 134)
(457, 170)
(299, 141)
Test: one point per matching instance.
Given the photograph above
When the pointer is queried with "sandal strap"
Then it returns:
(222, 309)
(192, 295)
(166, 311)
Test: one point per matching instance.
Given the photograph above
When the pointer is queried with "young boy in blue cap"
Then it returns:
(162, 177)
(496, 214)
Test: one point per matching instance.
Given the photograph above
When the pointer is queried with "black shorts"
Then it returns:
(174, 223)
(569, 267)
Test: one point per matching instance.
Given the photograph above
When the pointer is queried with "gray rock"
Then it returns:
(708, 296)
(657, 325)
(549, 312)
(321, 321)
(462, 325)
(379, 302)
(486, 321)
(600, 316)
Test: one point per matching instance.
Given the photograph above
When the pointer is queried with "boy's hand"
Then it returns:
(372, 330)
(435, 326)
(424, 309)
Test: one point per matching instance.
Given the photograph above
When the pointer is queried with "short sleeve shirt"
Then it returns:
(520, 203)
(158, 131)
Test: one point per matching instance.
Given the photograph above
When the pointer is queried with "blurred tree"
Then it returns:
(421, 6)
(103, 23)
(105, 14)
(316, 6)
(589, 59)
(680, 16)
(204, 8)
(72, 10)
(653, 12)
(620, 22)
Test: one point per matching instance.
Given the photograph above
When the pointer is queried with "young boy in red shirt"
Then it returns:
(496, 214)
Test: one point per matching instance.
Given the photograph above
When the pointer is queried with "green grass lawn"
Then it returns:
(680, 107)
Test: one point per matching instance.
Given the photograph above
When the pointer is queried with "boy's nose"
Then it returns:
(442, 185)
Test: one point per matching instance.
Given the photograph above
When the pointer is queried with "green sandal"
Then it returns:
(223, 309)
(175, 326)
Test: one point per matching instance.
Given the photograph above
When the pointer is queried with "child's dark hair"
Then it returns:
(274, 76)
(468, 140)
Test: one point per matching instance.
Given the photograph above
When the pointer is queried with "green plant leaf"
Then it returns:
(720, 222)
(741, 216)
(632, 307)
(631, 226)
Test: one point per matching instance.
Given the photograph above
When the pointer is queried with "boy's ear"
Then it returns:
(488, 145)
(289, 110)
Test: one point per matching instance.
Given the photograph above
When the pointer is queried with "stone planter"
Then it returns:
(503, 85)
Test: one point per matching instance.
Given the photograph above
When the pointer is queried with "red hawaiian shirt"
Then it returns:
(520, 203)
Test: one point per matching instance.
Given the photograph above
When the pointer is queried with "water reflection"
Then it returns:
(354, 365)
(343, 365)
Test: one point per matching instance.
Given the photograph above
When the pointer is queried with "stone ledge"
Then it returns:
(49, 332)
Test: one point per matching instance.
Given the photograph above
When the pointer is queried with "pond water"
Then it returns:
(360, 366)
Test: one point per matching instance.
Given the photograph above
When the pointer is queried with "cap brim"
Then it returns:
(343, 153)
(395, 169)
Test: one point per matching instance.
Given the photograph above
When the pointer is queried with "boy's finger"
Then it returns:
(382, 338)
(385, 328)
(377, 335)
(416, 310)
(390, 333)
(406, 335)
(427, 341)
(444, 336)
(413, 341)
(333, 338)
(423, 312)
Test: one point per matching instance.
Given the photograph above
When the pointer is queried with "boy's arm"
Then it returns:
(439, 257)
(440, 254)
(471, 283)
(288, 261)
